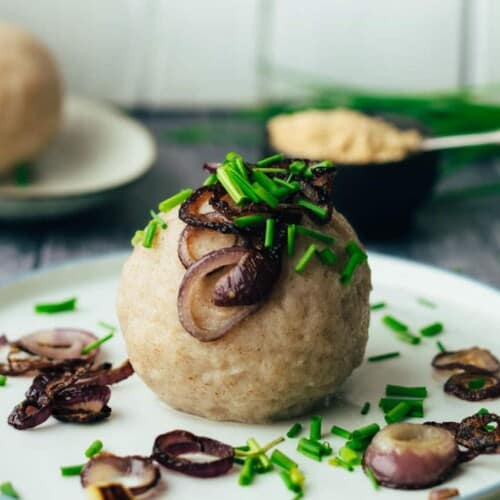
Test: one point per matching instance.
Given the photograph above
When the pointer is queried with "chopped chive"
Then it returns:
(291, 230)
(322, 164)
(247, 472)
(315, 427)
(176, 199)
(226, 177)
(94, 448)
(262, 459)
(269, 237)
(270, 160)
(8, 490)
(383, 357)
(431, 330)
(398, 413)
(325, 238)
(294, 430)
(378, 305)
(245, 447)
(327, 449)
(245, 186)
(56, 307)
(240, 165)
(394, 324)
(288, 481)
(365, 432)
(405, 392)
(266, 182)
(476, 383)
(327, 256)
(297, 167)
(407, 337)
(416, 405)
(339, 431)
(158, 219)
(249, 220)
(371, 476)
(310, 448)
(149, 234)
(338, 462)
(270, 170)
(22, 174)
(210, 180)
(426, 302)
(3, 380)
(350, 456)
(138, 237)
(306, 257)
(282, 460)
(366, 408)
(440, 346)
(239, 460)
(71, 470)
(358, 444)
(321, 212)
(109, 327)
(291, 186)
(97, 343)
(483, 411)
(356, 257)
(264, 195)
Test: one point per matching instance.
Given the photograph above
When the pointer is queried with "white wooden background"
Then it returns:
(199, 53)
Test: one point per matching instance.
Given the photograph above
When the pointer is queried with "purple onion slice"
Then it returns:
(172, 450)
(195, 242)
(458, 385)
(474, 434)
(109, 492)
(105, 375)
(411, 456)
(139, 474)
(28, 414)
(58, 343)
(472, 359)
(197, 312)
(82, 405)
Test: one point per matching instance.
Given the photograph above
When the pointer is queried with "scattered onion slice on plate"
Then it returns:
(459, 386)
(411, 456)
(472, 359)
(82, 404)
(139, 474)
(474, 435)
(169, 450)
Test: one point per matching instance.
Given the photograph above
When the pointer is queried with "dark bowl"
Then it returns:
(380, 199)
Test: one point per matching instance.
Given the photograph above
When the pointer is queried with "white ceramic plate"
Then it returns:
(98, 151)
(31, 459)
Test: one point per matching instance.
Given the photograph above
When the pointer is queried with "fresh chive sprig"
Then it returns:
(432, 329)
(176, 199)
(294, 430)
(405, 392)
(383, 357)
(57, 307)
(94, 345)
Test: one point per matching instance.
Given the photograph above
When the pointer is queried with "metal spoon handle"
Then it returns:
(459, 141)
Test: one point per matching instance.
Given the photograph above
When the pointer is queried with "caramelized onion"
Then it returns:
(473, 434)
(195, 242)
(458, 385)
(82, 404)
(169, 449)
(197, 313)
(139, 473)
(28, 414)
(411, 456)
(472, 359)
(105, 375)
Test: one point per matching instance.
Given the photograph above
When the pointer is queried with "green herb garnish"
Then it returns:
(440, 346)
(365, 432)
(383, 357)
(315, 427)
(8, 490)
(325, 238)
(247, 472)
(350, 456)
(378, 305)
(158, 219)
(398, 413)
(291, 230)
(264, 195)
(431, 330)
(405, 392)
(366, 408)
(270, 160)
(427, 303)
(249, 220)
(294, 430)
(149, 234)
(262, 458)
(371, 476)
(210, 180)
(356, 257)
(94, 448)
(282, 460)
(72, 470)
(176, 199)
(394, 324)
(327, 256)
(320, 212)
(269, 236)
(476, 383)
(306, 257)
(94, 345)
(416, 405)
(341, 432)
(56, 307)
(3, 380)
(310, 448)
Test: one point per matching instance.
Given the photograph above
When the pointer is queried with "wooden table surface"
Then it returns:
(463, 235)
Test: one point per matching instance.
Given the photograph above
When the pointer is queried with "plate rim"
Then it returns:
(14, 193)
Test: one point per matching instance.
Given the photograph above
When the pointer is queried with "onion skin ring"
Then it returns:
(457, 385)
(474, 359)
(29, 414)
(169, 447)
(128, 465)
(473, 435)
(107, 375)
(411, 456)
(108, 492)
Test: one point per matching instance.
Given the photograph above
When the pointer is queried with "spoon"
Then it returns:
(460, 141)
